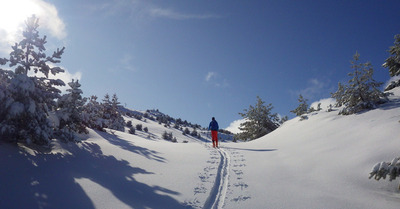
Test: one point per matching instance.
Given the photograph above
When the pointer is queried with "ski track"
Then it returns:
(216, 199)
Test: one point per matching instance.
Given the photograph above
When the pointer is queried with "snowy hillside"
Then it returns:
(322, 162)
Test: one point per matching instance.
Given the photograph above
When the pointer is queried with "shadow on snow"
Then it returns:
(129, 146)
(46, 180)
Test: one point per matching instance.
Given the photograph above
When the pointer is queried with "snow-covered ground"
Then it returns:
(322, 162)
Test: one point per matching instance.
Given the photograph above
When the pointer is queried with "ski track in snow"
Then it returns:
(238, 188)
(221, 182)
(217, 196)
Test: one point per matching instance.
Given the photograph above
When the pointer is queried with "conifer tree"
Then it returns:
(4, 94)
(108, 113)
(259, 121)
(362, 91)
(116, 121)
(31, 93)
(106, 108)
(70, 107)
(92, 114)
(393, 62)
(339, 95)
(186, 131)
(302, 108)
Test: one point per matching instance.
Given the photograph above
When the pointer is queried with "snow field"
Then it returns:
(322, 162)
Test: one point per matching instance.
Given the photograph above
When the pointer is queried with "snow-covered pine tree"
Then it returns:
(92, 114)
(117, 121)
(339, 95)
(139, 127)
(319, 108)
(259, 121)
(302, 108)
(31, 98)
(106, 108)
(111, 115)
(186, 131)
(383, 169)
(4, 94)
(132, 130)
(362, 91)
(69, 112)
(393, 62)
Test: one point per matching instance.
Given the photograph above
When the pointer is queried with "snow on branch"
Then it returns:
(383, 169)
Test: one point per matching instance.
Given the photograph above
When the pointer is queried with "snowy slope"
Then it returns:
(322, 162)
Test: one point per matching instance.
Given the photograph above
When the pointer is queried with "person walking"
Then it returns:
(214, 131)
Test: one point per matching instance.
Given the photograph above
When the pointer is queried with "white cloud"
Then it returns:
(213, 78)
(314, 90)
(171, 14)
(143, 8)
(124, 64)
(210, 75)
(224, 84)
(127, 8)
(234, 126)
(50, 20)
(13, 14)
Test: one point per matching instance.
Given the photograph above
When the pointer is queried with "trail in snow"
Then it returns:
(217, 196)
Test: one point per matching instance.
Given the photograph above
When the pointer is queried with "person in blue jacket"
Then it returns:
(214, 131)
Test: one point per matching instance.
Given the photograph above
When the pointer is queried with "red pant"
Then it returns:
(214, 137)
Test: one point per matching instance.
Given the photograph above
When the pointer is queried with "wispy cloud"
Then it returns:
(141, 9)
(171, 14)
(224, 83)
(210, 75)
(124, 64)
(213, 78)
(315, 87)
(314, 90)
(128, 8)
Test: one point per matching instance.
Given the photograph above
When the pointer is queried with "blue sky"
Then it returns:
(198, 59)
